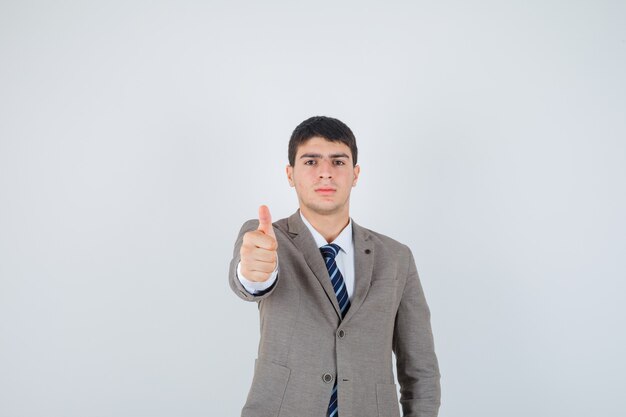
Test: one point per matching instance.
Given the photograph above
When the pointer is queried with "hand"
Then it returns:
(259, 251)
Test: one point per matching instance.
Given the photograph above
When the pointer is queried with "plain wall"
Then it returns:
(137, 137)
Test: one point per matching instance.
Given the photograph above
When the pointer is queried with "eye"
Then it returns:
(340, 162)
(307, 162)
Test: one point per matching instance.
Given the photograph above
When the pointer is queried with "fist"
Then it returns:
(259, 250)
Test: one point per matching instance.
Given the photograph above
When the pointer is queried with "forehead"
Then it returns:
(323, 146)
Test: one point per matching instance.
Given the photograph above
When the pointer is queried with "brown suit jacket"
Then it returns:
(305, 346)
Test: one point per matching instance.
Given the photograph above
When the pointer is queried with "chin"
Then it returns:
(331, 208)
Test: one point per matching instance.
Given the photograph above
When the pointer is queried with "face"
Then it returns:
(323, 176)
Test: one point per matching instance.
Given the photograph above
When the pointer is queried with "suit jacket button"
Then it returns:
(327, 377)
(341, 333)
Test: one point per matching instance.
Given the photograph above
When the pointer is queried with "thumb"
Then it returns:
(265, 221)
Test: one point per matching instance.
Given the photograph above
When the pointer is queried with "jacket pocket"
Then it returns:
(387, 400)
(267, 390)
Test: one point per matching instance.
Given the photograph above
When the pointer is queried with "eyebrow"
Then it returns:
(318, 155)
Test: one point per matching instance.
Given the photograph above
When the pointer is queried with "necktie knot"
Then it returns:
(330, 251)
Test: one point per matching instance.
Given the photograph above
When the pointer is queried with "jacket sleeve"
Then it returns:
(416, 362)
(234, 282)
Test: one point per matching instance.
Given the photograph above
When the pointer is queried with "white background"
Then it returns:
(137, 137)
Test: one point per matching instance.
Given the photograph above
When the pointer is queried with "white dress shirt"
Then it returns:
(344, 259)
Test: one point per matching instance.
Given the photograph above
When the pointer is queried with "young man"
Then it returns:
(335, 299)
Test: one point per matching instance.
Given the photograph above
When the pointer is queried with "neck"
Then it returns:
(328, 225)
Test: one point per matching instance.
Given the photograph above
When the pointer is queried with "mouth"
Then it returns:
(325, 190)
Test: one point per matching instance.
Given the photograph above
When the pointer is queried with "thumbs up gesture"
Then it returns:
(259, 249)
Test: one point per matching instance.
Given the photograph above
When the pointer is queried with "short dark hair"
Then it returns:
(328, 128)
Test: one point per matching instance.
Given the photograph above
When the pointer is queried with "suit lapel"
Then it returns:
(363, 262)
(363, 267)
(305, 242)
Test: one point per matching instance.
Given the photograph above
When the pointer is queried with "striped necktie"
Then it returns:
(329, 252)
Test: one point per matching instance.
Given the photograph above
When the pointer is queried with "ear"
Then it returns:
(289, 171)
(357, 171)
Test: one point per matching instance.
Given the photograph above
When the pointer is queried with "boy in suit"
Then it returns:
(336, 300)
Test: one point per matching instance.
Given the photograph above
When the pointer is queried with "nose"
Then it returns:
(325, 169)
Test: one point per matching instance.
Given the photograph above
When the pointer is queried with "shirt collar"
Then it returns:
(344, 240)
